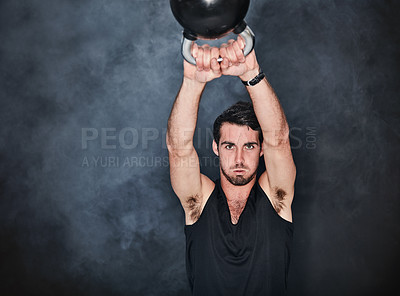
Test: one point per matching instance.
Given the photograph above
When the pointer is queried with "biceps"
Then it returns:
(185, 175)
(280, 168)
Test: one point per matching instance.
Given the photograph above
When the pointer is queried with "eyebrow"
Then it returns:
(251, 143)
(228, 143)
(248, 143)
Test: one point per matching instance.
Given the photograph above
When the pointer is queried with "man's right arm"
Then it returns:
(191, 187)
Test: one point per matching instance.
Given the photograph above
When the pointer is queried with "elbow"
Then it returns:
(178, 147)
(277, 138)
(182, 152)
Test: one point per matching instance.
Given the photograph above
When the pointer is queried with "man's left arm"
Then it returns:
(278, 179)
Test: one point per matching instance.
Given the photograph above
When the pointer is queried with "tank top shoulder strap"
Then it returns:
(210, 203)
(261, 194)
(213, 196)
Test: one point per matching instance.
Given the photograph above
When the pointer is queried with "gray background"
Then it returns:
(68, 227)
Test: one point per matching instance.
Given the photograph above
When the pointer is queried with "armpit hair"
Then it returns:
(279, 196)
(193, 204)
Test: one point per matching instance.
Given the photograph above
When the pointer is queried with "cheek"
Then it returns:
(254, 158)
(224, 158)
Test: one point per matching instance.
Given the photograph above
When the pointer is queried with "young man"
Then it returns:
(238, 229)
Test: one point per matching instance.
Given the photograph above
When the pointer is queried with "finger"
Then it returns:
(224, 64)
(199, 59)
(223, 53)
(214, 53)
(195, 49)
(238, 52)
(222, 50)
(206, 58)
(215, 67)
(241, 42)
(232, 55)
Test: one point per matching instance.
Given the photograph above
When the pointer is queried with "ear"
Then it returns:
(215, 148)
(261, 150)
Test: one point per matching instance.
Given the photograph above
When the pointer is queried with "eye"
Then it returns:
(229, 146)
(249, 146)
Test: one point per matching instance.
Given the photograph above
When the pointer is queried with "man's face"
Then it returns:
(239, 153)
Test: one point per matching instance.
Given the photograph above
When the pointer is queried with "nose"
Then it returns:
(239, 156)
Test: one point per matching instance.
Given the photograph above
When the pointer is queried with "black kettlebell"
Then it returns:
(211, 19)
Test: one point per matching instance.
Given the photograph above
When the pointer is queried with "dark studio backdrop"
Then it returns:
(86, 207)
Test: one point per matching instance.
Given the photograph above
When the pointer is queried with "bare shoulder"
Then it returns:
(280, 198)
(194, 205)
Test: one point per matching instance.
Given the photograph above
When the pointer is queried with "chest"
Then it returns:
(236, 208)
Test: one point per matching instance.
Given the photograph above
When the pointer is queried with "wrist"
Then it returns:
(193, 83)
(250, 74)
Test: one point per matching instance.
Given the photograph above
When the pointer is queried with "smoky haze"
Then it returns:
(86, 207)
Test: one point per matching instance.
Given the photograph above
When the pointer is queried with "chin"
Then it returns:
(239, 180)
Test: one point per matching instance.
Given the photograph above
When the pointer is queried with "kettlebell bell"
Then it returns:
(211, 19)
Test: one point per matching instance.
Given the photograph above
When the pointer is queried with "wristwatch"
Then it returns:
(255, 80)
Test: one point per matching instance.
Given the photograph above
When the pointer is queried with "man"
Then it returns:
(238, 229)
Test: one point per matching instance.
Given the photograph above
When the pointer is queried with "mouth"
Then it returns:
(239, 171)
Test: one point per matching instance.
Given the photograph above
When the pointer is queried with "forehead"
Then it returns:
(238, 134)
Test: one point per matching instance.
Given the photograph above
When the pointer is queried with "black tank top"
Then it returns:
(248, 258)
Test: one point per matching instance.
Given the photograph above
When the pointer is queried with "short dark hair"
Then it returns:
(241, 113)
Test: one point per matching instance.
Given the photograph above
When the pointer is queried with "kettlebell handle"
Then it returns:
(247, 35)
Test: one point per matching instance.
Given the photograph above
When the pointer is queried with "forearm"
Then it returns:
(183, 117)
(268, 110)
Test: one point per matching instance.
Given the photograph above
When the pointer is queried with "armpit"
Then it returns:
(193, 205)
(279, 196)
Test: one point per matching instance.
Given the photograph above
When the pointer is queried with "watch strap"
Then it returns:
(255, 80)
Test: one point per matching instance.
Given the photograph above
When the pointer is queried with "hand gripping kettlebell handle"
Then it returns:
(247, 35)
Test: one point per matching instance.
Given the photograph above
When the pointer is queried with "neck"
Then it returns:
(234, 192)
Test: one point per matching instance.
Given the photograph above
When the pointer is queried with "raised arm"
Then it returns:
(191, 187)
(278, 179)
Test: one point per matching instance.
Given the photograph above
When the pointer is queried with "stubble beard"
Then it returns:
(238, 180)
